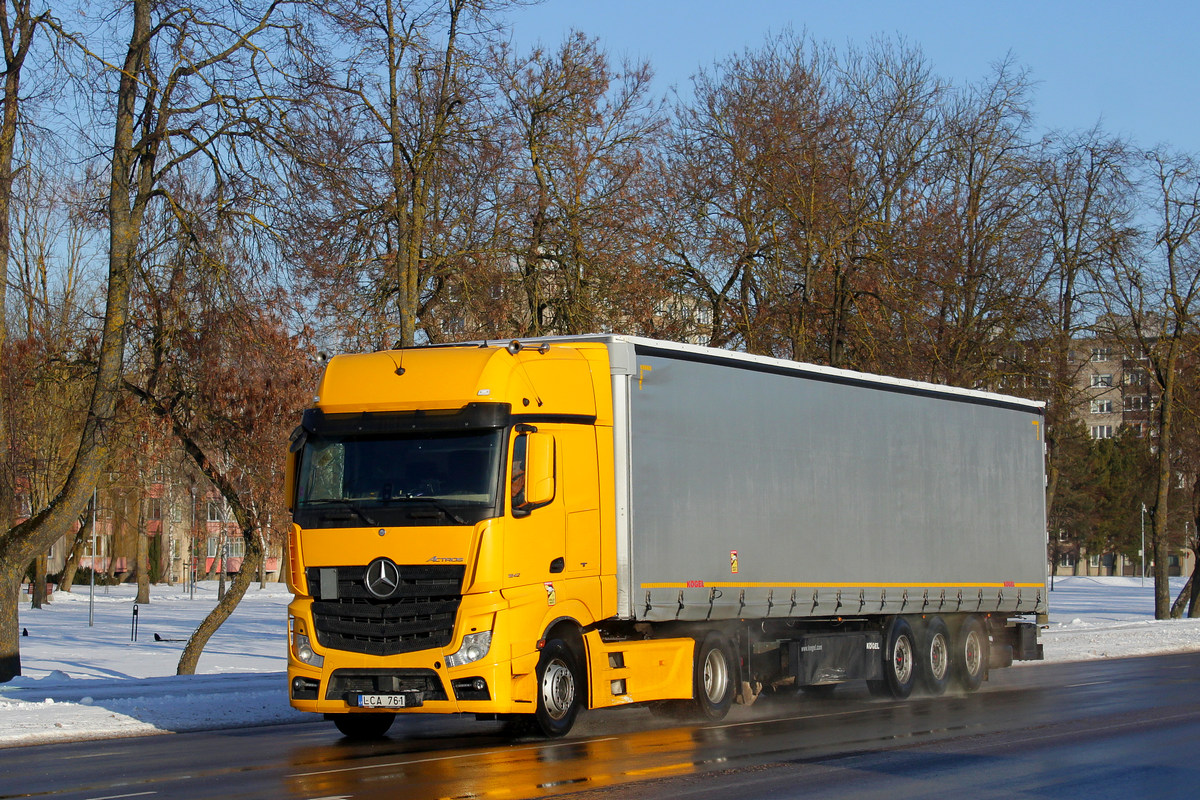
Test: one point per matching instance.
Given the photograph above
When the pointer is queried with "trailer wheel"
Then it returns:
(899, 667)
(935, 656)
(970, 659)
(560, 689)
(713, 676)
(363, 726)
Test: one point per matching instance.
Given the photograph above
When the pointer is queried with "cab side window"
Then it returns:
(517, 492)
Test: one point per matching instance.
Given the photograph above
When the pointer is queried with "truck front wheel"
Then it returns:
(560, 690)
(970, 654)
(363, 726)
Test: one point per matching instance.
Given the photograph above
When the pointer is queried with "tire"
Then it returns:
(560, 689)
(934, 662)
(363, 726)
(713, 677)
(899, 657)
(969, 660)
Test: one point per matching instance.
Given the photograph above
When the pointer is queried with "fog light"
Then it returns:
(305, 688)
(471, 689)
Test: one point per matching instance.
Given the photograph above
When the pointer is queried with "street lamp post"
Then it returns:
(1143, 544)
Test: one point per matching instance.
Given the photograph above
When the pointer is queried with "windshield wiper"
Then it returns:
(433, 501)
(348, 503)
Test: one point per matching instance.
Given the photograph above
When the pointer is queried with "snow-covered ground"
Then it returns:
(92, 682)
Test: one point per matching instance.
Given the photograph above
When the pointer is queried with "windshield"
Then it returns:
(379, 480)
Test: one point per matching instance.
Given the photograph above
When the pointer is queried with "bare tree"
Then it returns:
(19, 24)
(1087, 203)
(218, 367)
(981, 236)
(392, 115)
(750, 167)
(173, 101)
(1153, 298)
(581, 131)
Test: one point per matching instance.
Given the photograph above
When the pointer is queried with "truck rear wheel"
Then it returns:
(935, 656)
(363, 726)
(970, 659)
(899, 667)
(560, 689)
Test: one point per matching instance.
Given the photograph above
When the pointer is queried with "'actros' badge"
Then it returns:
(382, 578)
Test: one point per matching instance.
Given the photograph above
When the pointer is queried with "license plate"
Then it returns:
(388, 701)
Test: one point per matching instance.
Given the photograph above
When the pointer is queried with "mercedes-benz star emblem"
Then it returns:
(382, 578)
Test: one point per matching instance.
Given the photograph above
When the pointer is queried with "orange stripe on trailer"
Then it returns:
(848, 585)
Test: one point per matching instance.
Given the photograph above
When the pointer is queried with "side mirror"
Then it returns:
(533, 480)
(289, 479)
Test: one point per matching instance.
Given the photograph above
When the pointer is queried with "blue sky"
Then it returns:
(1133, 67)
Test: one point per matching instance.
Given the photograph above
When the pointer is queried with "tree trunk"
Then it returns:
(190, 656)
(67, 579)
(20, 544)
(143, 557)
(10, 596)
(1166, 406)
(39, 582)
(1185, 596)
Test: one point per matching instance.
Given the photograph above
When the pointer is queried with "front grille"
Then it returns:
(418, 616)
(346, 682)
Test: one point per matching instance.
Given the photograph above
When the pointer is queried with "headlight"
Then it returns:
(474, 647)
(302, 647)
(305, 653)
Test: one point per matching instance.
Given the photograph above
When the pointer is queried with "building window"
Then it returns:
(1135, 377)
(235, 547)
(1139, 402)
(1102, 431)
(154, 508)
(1066, 560)
(1102, 380)
(1102, 406)
(1101, 353)
(214, 511)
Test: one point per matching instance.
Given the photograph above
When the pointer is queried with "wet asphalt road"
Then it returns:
(1124, 728)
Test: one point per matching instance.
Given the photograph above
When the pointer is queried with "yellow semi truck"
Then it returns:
(525, 529)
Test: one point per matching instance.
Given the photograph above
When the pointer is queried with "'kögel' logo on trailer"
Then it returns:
(382, 578)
